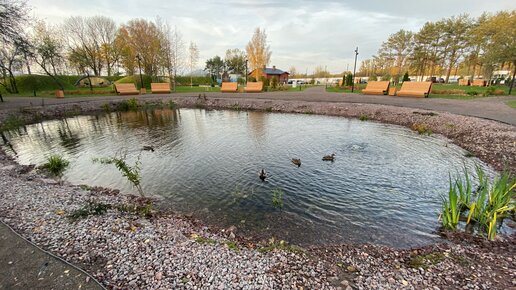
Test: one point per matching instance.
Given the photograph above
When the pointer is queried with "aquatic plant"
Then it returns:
(363, 117)
(56, 165)
(106, 107)
(172, 105)
(487, 205)
(132, 104)
(277, 198)
(132, 173)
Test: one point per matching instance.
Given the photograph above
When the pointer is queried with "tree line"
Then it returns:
(459, 45)
(88, 46)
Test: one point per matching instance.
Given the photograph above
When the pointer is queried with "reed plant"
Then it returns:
(131, 173)
(56, 165)
(486, 206)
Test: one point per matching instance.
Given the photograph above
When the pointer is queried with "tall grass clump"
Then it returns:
(277, 198)
(11, 122)
(56, 165)
(483, 207)
(131, 173)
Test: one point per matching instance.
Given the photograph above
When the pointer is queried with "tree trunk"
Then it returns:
(513, 76)
(450, 67)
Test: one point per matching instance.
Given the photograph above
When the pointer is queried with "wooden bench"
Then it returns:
(463, 82)
(478, 83)
(376, 88)
(415, 89)
(254, 87)
(126, 89)
(228, 87)
(160, 88)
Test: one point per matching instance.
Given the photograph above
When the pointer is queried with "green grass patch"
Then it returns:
(232, 245)
(203, 240)
(425, 261)
(422, 129)
(281, 245)
(56, 165)
(91, 208)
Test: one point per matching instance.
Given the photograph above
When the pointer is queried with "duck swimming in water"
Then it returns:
(329, 157)
(296, 162)
(263, 174)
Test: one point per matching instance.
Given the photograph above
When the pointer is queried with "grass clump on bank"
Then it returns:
(422, 129)
(56, 165)
(91, 208)
(277, 198)
(483, 207)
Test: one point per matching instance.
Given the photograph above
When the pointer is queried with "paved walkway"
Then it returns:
(23, 266)
(493, 108)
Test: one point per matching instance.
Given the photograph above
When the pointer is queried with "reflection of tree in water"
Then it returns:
(257, 124)
(68, 139)
(153, 118)
(7, 143)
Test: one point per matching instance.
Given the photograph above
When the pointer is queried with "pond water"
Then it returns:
(383, 186)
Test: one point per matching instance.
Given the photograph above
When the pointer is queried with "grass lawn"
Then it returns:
(512, 104)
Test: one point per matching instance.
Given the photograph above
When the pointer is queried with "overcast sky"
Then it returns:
(301, 33)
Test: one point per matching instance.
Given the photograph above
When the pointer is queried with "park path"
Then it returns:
(492, 108)
(23, 266)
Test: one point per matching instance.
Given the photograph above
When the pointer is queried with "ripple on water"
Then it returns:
(383, 187)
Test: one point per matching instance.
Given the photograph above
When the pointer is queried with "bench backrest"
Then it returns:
(160, 86)
(254, 86)
(417, 86)
(227, 86)
(380, 85)
(478, 83)
(125, 87)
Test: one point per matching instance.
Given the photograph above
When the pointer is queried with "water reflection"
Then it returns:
(383, 187)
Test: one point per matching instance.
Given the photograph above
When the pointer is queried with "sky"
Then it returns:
(303, 34)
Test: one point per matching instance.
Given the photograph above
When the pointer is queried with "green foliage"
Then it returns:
(406, 77)
(349, 80)
(274, 82)
(472, 93)
(128, 105)
(236, 107)
(422, 129)
(265, 81)
(106, 108)
(281, 245)
(56, 165)
(11, 122)
(251, 79)
(277, 198)
(363, 117)
(425, 261)
(268, 109)
(91, 208)
(131, 173)
(232, 245)
(386, 77)
(486, 205)
(489, 91)
(373, 78)
(196, 80)
(203, 240)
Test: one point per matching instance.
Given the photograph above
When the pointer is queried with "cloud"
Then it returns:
(302, 33)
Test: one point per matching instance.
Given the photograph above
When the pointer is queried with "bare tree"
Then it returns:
(193, 58)
(48, 52)
(258, 52)
(13, 16)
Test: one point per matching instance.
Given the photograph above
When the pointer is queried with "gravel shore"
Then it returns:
(125, 249)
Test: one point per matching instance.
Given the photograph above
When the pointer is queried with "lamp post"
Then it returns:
(354, 70)
(246, 60)
(140, 68)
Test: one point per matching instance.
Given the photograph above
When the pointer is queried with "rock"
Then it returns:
(8, 167)
(391, 280)
(404, 282)
(344, 283)
(351, 268)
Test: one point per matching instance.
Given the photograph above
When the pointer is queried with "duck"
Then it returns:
(296, 162)
(148, 148)
(329, 157)
(263, 174)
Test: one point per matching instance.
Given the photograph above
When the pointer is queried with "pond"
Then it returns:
(383, 186)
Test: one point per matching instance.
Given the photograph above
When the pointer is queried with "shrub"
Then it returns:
(472, 93)
(274, 82)
(132, 104)
(373, 78)
(363, 117)
(265, 81)
(349, 80)
(489, 91)
(421, 129)
(406, 77)
(386, 77)
(56, 165)
(11, 122)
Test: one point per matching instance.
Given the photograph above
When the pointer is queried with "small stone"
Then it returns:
(351, 268)
(159, 276)
(344, 283)
(391, 280)
(404, 282)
